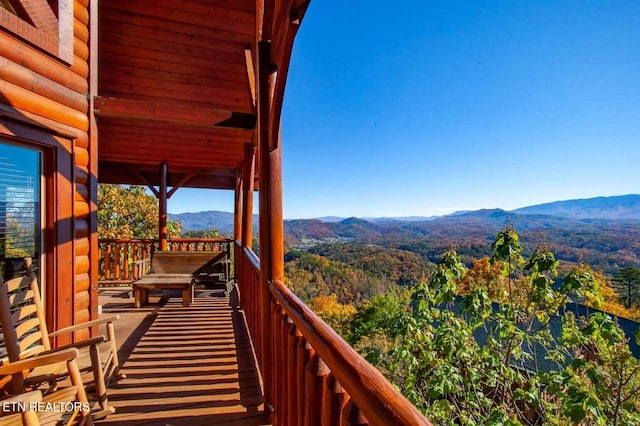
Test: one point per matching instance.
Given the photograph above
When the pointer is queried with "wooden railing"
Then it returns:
(315, 376)
(119, 256)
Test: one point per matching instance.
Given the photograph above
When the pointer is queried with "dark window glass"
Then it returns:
(20, 208)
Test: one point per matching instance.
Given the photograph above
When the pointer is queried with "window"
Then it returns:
(20, 208)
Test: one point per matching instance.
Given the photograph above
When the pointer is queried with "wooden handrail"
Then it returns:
(316, 377)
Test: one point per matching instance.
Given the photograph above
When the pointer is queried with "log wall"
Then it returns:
(43, 91)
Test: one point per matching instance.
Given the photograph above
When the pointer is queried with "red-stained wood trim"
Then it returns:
(162, 209)
(237, 206)
(180, 74)
(380, 402)
(159, 111)
(198, 135)
(247, 195)
(123, 24)
(94, 252)
(148, 63)
(190, 149)
(168, 51)
(194, 13)
(270, 193)
(135, 160)
(65, 234)
(265, 20)
(127, 24)
(287, 16)
(219, 99)
(251, 75)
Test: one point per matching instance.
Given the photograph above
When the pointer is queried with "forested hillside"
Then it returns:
(354, 273)
(604, 244)
(485, 343)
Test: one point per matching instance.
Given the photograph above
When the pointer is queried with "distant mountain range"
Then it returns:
(549, 215)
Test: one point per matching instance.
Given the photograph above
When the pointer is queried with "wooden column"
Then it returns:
(94, 251)
(162, 208)
(271, 226)
(247, 195)
(237, 208)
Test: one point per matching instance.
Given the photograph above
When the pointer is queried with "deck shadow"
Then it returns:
(190, 366)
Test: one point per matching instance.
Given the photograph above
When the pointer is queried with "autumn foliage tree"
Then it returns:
(516, 358)
(129, 212)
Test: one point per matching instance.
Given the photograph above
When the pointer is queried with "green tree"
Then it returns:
(129, 212)
(627, 285)
(464, 359)
(212, 233)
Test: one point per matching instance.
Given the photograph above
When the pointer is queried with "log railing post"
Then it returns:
(116, 262)
(303, 354)
(107, 261)
(291, 372)
(336, 402)
(353, 416)
(315, 390)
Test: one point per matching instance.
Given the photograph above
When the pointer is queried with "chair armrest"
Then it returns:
(37, 361)
(78, 345)
(84, 325)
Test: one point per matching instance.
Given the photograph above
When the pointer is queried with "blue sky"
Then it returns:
(425, 107)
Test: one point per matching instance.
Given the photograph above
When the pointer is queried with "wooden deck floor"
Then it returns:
(184, 366)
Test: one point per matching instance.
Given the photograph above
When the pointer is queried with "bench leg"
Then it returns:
(141, 297)
(186, 296)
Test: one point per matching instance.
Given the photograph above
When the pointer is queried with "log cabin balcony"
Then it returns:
(206, 363)
(174, 95)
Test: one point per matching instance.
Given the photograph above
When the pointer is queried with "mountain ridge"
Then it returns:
(557, 213)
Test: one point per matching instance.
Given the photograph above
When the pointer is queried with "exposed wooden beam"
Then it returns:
(251, 74)
(172, 113)
(178, 185)
(151, 187)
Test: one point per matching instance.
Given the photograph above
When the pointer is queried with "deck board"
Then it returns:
(184, 365)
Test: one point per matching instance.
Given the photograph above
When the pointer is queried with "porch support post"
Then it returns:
(237, 207)
(162, 208)
(247, 195)
(271, 225)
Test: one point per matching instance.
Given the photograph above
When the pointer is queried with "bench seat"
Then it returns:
(177, 270)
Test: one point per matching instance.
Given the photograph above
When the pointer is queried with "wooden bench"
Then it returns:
(174, 270)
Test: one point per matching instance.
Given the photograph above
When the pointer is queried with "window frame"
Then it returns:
(51, 33)
(58, 213)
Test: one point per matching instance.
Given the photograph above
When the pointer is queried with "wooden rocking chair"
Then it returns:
(26, 336)
(68, 405)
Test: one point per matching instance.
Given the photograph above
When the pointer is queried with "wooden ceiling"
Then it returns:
(175, 86)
